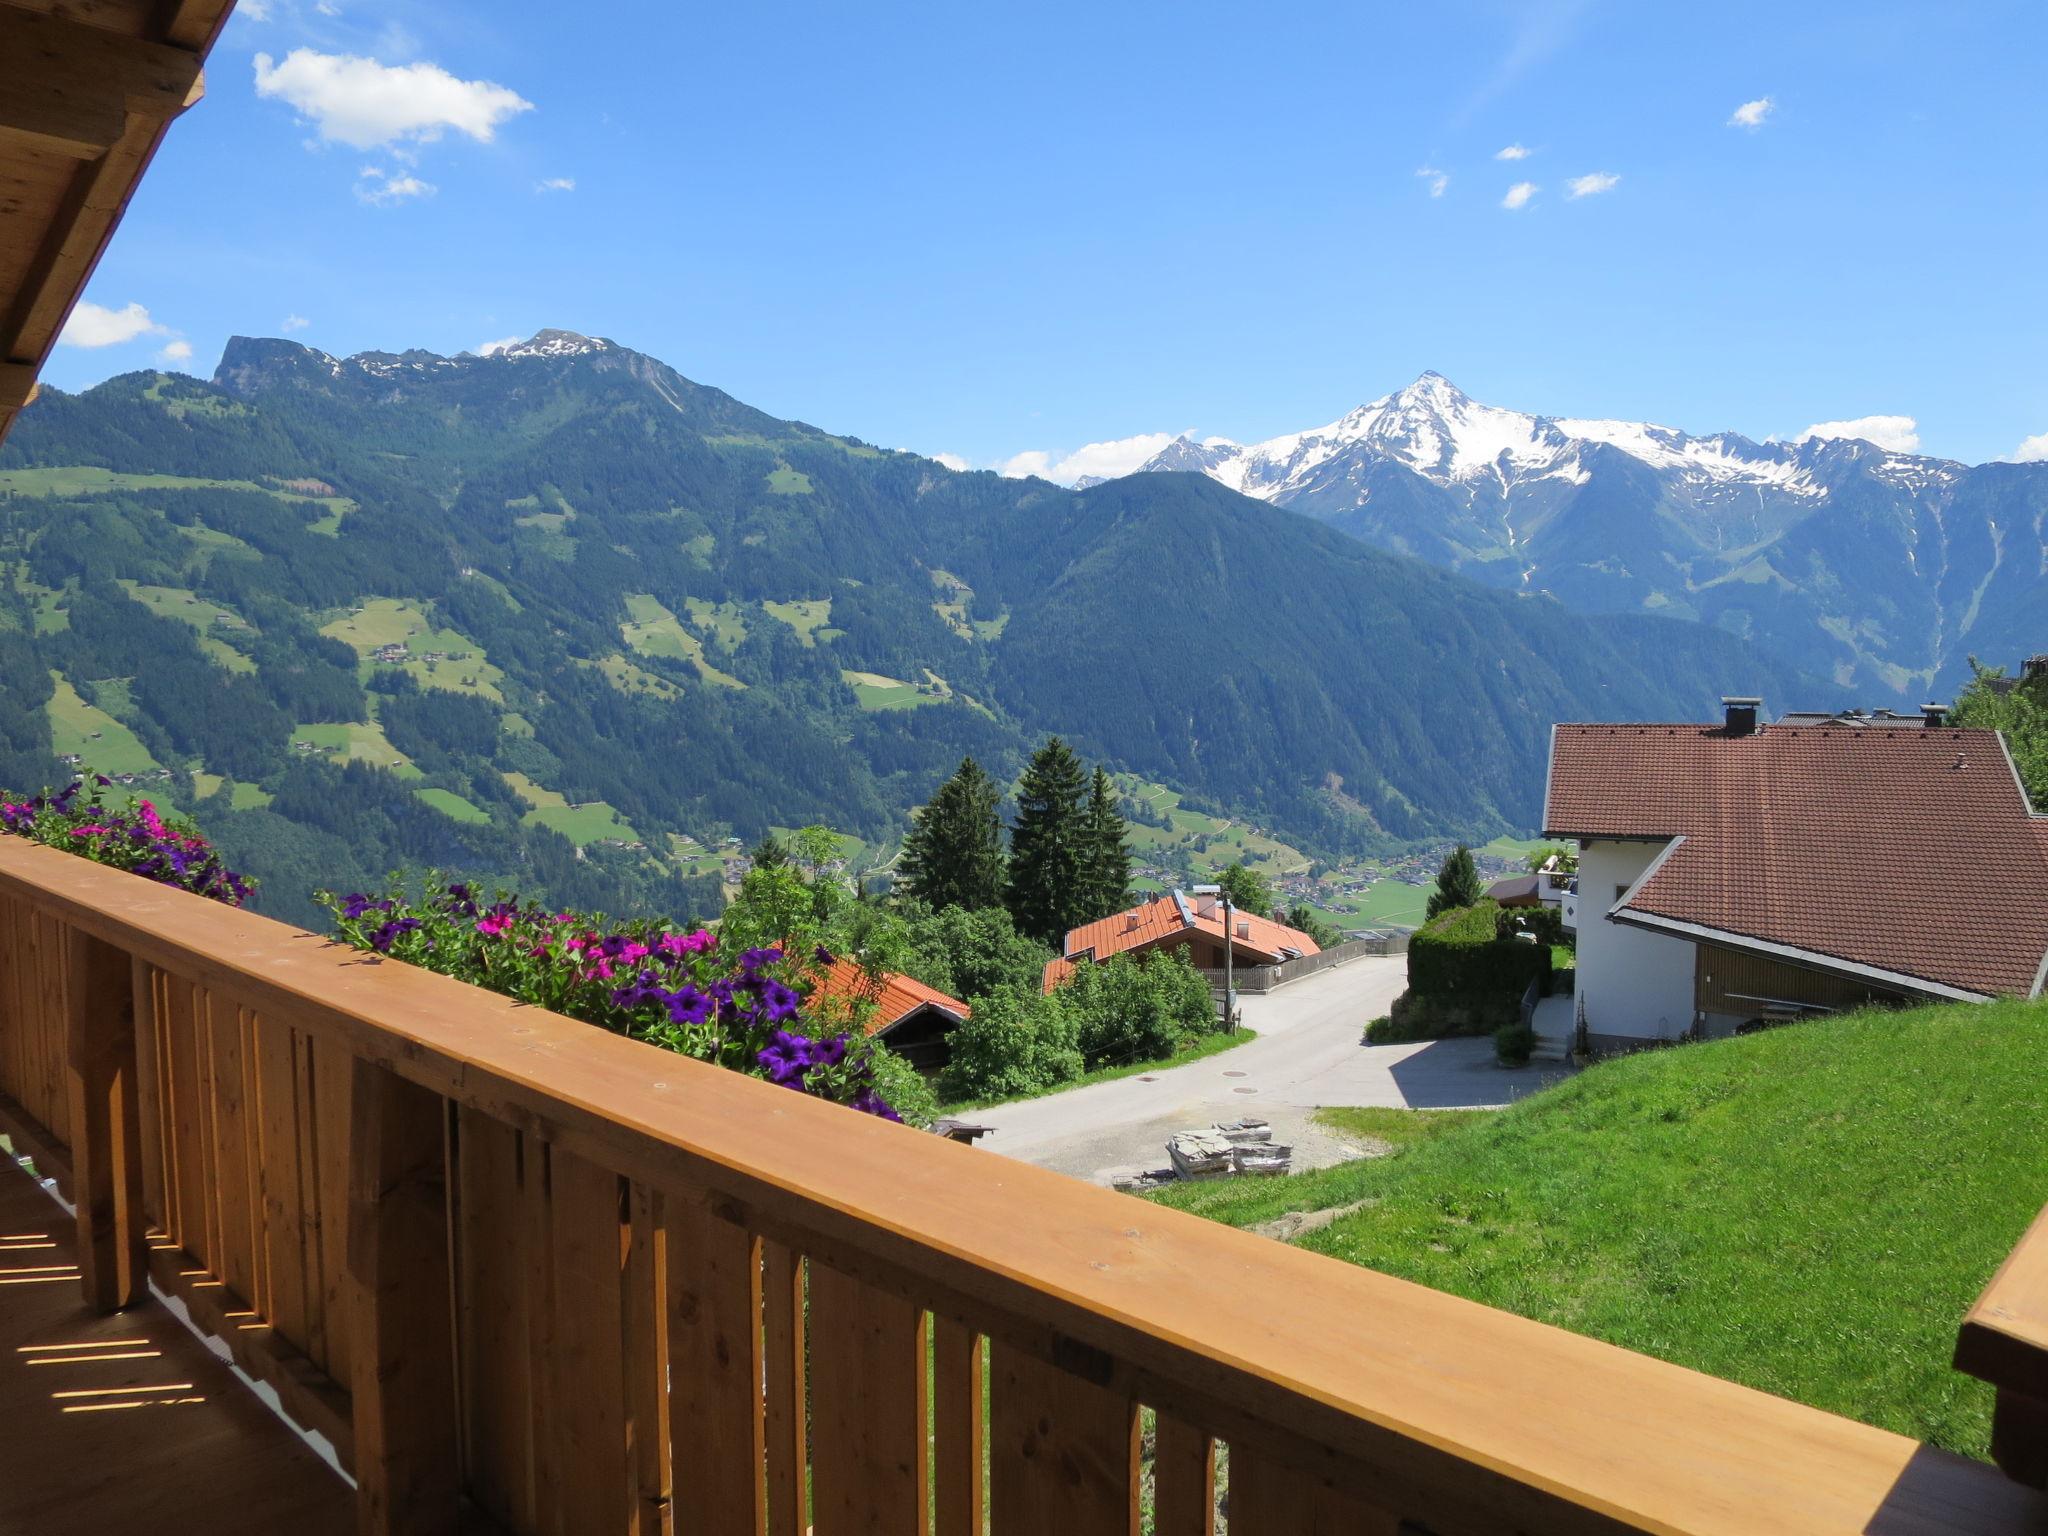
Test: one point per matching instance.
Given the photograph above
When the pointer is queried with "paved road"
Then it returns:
(1308, 1055)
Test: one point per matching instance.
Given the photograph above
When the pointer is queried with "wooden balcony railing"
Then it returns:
(509, 1263)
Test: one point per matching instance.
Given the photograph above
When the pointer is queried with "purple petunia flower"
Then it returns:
(688, 1006)
(786, 1058)
(388, 934)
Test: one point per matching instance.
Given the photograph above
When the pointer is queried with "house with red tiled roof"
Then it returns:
(913, 1020)
(1193, 925)
(1741, 872)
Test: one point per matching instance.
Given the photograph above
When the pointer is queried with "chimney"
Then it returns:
(1933, 714)
(1741, 715)
(1244, 930)
(1131, 921)
(1205, 906)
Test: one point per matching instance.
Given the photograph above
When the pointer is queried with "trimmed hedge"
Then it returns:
(1464, 977)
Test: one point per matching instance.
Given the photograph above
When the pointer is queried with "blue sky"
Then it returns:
(998, 231)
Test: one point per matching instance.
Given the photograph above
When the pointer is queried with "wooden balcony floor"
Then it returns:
(128, 1422)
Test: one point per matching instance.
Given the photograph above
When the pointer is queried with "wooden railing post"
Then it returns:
(106, 1133)
(407, 1467)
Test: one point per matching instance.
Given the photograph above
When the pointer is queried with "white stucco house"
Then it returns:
(1737, 871)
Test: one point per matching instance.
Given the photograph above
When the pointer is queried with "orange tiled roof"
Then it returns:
(1057, 970)
(1164, 916)
(1908, 851)
(895, 996)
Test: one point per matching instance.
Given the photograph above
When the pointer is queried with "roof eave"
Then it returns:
(1729, 939)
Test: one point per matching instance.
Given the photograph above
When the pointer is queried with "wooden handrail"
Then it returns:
(1428, 1409)
(2004, 1341)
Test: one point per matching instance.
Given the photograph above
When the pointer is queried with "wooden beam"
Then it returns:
(67, 64)
(407, 1442)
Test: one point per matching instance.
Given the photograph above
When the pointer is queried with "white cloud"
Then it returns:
(556, 184)
(294, 323)
(380, 187)
(255, 10)
(1592, 185)
(1519, 195)
(489, 347)
(94, 325)
(178, 351)
(1437, 179)
(365, 104)
(1104, 460)
(1751, 114)
(1899, 434)
(950, 460)
(1514, 152)
(2032, 450)
(1033, 461)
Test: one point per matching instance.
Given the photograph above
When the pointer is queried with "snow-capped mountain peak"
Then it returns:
(1436, 430)
(551, 343)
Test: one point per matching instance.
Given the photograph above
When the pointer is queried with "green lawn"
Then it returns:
(458, 665)
(1210, 843)
(209, 618)
(1387, 903)
(652, 630)
(784, 481)
(876, 690)
(1809, 1211)
(805, 615)
(241, 797)
(448, 803)
(627, 678)
(362, 740)
(726, 622)
(101, 742)
(586, 823)
(1206, 1045)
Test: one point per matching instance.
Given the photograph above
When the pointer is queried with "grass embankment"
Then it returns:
(1809, 1211)
(1195, 1050)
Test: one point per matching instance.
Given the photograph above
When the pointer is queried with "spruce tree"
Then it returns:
(1109, 856)
(1457, 883)
(953, 856)
(1049, 863)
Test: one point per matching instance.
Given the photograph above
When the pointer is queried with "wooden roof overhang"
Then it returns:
(88, 89)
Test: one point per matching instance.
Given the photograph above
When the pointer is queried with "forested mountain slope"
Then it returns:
(562, 615)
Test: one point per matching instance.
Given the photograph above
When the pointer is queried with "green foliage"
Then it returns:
(1566, 856)
(2020, 710)
(1050, 860)
(702, 995)
(1806, 1211)
(1457, 882)
(1514, 1044)
(122, 835)
(1016, 1043)
(953, 855)
(1312, 923)
(1248, 889)
(1108, 867)
(1463, 977)
(968, 954)
(1133, 1009)
(1546, 924)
